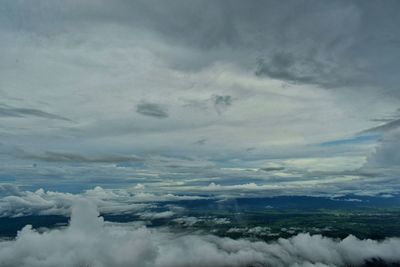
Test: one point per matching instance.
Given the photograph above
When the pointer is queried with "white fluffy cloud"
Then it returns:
(87, 241)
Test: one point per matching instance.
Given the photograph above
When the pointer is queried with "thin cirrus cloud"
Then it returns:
(53, 156)
(388, 126)
(9, 111)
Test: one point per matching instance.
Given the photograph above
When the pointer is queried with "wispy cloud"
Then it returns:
(9, 111)
(388, 126)
(53, 156)
(282, 66)
(201, 141)
(152, 110)
(353, 140)
(222, 102)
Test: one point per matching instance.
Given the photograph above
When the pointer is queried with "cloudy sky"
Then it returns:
(220, 97)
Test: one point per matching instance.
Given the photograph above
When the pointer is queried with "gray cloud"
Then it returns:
(222, 102)
(320, 38)
(283, 66)
(53, 156)
(16, 203)
(386, 153)
(201, 141)
(272, 169)
(316, 40)
(293, 68)
(388, 126)
(8, 189)
(9, 111)
(60, 51)
(218, 102)
(152, 110)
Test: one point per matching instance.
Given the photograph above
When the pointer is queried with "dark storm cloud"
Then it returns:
(152, 110)
(9, 111)
(331, 43)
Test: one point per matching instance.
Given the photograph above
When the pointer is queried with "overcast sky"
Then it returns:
(194, 96)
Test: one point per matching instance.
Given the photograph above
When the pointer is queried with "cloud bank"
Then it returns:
(16, 203)
(89, 241)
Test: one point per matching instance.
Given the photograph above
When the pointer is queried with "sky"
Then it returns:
(183, 98)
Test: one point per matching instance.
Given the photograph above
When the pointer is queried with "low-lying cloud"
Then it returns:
(89, 241)
(17, 203)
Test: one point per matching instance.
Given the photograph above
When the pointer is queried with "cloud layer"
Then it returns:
(90, 85)
(8, 111)
(16, 203)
